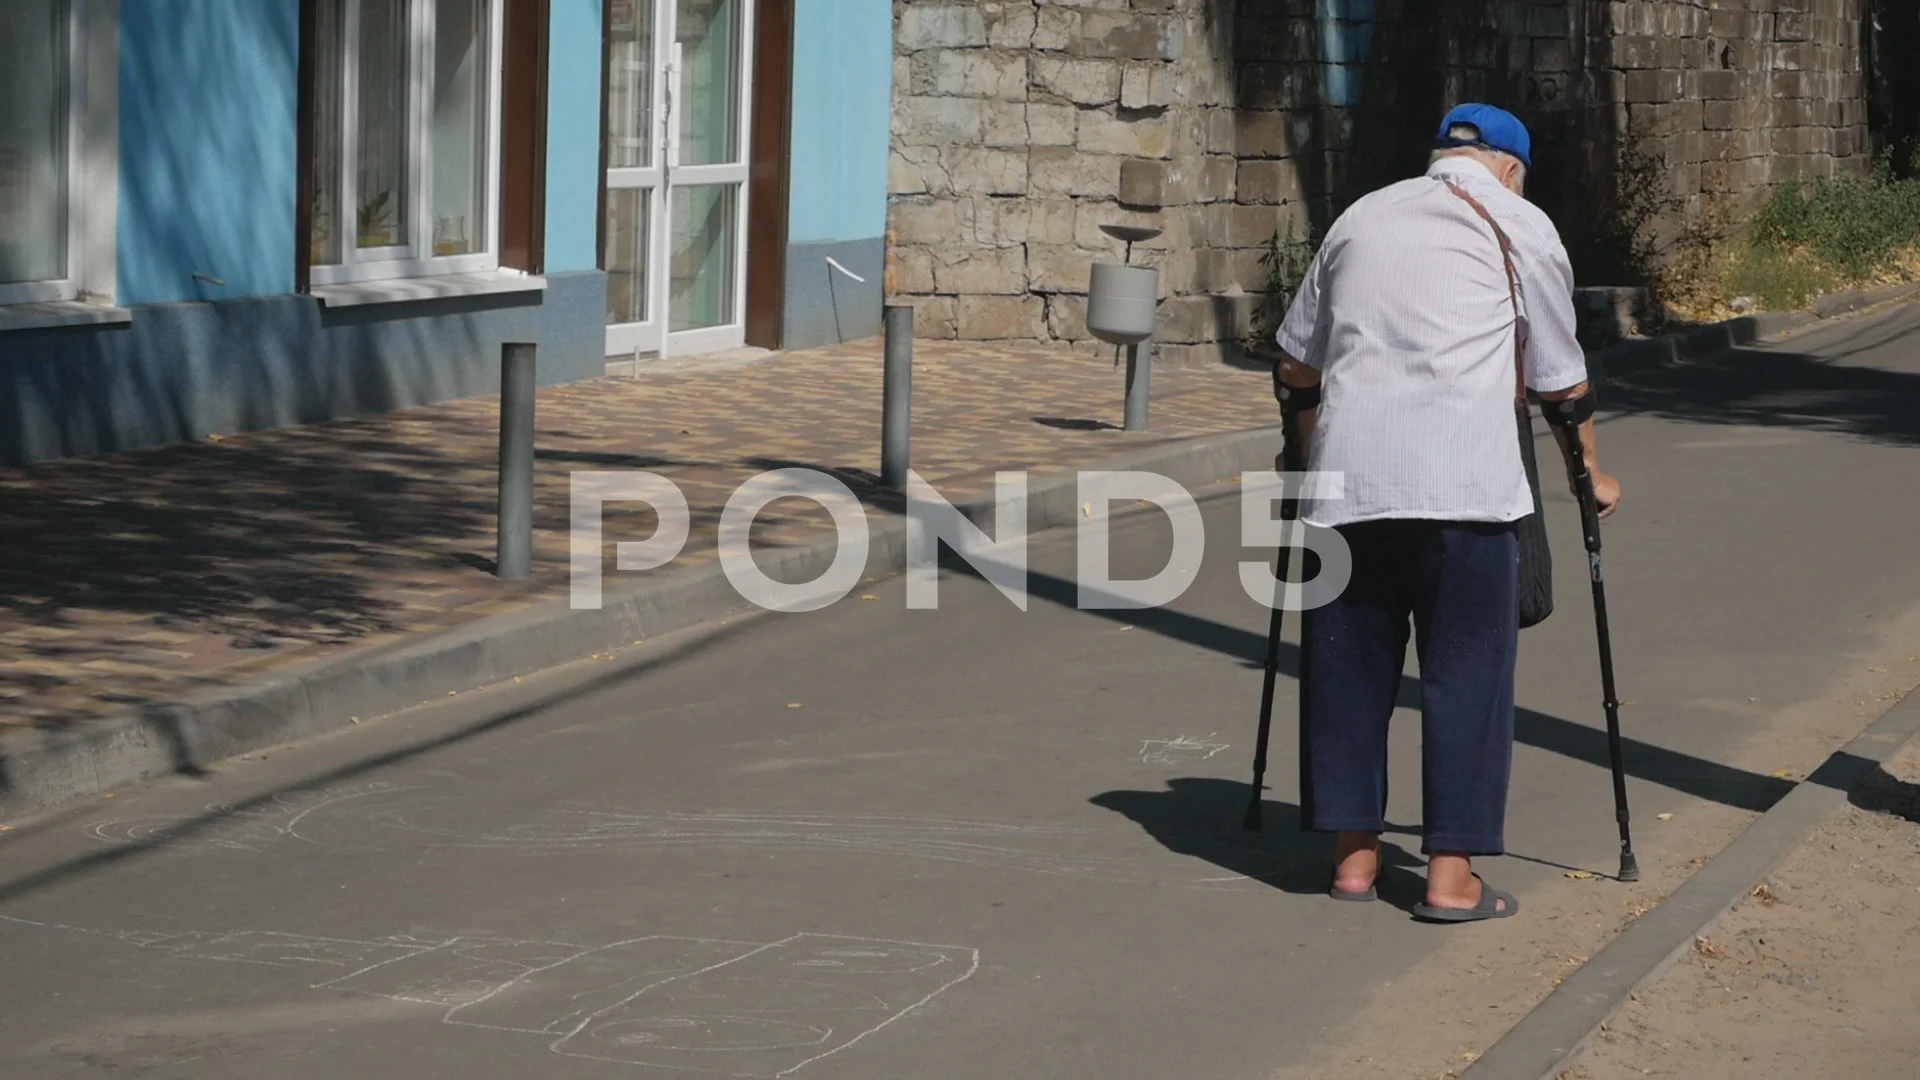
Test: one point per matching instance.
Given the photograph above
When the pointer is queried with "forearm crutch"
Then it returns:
(1568, 416)
(1289, 511)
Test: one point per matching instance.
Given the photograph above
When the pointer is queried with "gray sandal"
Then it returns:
(1489, 907)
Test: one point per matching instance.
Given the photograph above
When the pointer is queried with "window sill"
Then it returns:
(403, 290)
(59, 313)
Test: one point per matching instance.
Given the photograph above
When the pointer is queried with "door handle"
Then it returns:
(674, 65)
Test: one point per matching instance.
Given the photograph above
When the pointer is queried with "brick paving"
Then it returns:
(148, 576)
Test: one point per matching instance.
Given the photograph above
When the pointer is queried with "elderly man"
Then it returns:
(1399, 360)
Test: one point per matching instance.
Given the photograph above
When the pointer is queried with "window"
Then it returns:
(40, 234)
(405, 124)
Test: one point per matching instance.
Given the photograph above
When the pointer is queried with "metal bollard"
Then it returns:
(513, 554)
(896, 409)
(1139, 376)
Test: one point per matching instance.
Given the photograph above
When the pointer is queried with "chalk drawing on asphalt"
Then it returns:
(446, 821)
(735, 1008)
(223, 827)
(1181, 751)
(262, 947)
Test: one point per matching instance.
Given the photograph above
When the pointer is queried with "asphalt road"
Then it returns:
(972, 842)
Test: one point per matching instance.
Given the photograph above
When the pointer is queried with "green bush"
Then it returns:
(1824, 236)
(1859, 227)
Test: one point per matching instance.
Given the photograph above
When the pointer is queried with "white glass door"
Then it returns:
(676, 176)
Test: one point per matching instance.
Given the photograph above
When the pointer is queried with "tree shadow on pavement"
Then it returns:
(1187, 819)
(276, 542)
(246, 538)
(1770, 389)
(266, 545)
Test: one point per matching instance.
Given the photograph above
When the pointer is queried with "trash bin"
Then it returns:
(1123, 303)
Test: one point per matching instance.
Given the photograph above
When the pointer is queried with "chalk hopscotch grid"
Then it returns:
(182, 945)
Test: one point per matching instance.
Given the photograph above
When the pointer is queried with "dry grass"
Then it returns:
(1807, 241)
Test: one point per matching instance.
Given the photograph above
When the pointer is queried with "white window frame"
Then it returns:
(413, 259)
(88, 291)
(68, 286)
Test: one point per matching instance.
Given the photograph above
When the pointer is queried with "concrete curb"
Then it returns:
(1629, 357)
(1547, 1039)
(1830, 307)
(42, 769)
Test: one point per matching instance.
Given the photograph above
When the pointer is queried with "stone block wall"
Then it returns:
(1021, 126)
(1735, 98)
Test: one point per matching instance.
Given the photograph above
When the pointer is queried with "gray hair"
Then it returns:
(1490, 158)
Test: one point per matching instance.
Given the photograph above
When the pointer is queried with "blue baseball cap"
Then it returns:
(1499, 130)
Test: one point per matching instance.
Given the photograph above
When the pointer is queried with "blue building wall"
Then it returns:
(208, 96)
(842, 93)
(207, 174)
(842, 101)
(573, 135)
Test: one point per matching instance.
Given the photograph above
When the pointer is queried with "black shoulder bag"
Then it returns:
(1536, 561)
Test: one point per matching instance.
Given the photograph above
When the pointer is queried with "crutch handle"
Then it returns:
(1579, 476)
(1589, 508)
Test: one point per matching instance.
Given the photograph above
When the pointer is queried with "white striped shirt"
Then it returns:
(1405, 311)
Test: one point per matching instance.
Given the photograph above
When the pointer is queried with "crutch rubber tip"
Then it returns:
(1252, 822)
(1629, 868)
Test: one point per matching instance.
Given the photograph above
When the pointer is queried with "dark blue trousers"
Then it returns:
(1457, 584)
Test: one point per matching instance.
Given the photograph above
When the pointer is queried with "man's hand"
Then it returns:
(1606, 493)
(1606, 490)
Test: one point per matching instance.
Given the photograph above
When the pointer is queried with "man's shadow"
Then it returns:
(1884, 793)
(1200, 817)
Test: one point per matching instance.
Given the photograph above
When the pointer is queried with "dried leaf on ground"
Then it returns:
(1710, 949)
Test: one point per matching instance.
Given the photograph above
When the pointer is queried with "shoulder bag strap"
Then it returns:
(1513, 290)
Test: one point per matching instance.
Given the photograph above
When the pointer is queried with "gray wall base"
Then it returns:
(180, 372)
(825, 306)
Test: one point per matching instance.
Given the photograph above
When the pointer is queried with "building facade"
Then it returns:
(745, 173)
(229, 215)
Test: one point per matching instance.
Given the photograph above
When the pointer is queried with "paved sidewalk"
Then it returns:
(149, 576)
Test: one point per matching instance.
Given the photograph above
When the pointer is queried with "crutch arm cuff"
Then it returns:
(1569, 411)
(1296, 399)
